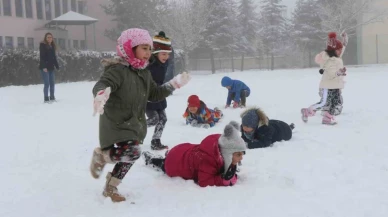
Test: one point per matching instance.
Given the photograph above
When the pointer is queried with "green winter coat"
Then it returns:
(124, 112)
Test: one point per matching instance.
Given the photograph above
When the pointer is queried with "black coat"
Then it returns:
(158, 71)
(48, 58)
(266, 135)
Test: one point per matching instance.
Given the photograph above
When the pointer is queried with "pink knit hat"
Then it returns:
(129, 39)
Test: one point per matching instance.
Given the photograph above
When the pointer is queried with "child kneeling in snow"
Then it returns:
(211, 163)
(260, 132)
(331, 81)
(197, 114)
(237, 90)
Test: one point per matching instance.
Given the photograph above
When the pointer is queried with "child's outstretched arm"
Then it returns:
(209, 176)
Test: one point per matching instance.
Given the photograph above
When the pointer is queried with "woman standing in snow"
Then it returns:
(155, 111)
(213, 162)
(260, 132)
(331, 81)
(48, 61)
(121, 97)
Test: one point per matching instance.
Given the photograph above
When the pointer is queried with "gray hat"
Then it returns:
(231, 142)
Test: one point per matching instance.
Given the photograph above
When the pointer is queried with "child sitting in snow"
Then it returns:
(260, 132)
(197, 114)
(320, 61)
(213, 162)
(331, 81)
(237, 90)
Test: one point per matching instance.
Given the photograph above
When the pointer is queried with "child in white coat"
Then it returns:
(331, 81)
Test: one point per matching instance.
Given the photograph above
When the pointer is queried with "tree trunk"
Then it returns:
(232, 60)
(186, 63)
(212, 61)
(310, 63)
(272, 62)
(242, 62)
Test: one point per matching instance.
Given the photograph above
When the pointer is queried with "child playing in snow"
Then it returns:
(197, 114)
(320, 61)
(121, 96)
(158, 67)
(331, 81)
(260, 132)
(213, 162)
(237, 90)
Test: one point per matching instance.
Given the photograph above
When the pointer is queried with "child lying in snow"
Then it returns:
(197, 114)
(211, 163)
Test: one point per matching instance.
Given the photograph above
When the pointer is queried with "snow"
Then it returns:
(323, 171)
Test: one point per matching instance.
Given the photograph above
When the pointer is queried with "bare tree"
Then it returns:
(347, 15)
(184, 21)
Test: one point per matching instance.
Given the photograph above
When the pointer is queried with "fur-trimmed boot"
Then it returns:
(99, 159)
(328, 119)
(110, 189)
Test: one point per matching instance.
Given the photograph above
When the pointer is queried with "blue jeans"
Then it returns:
(49, 81)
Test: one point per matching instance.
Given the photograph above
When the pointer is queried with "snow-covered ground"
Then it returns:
(339, 171)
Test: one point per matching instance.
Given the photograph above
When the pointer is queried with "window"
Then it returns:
(83, 45)
(1, 42)
(21, 42)
(7, 10)
(39, 9)
(57, 4)
(62, 43)
(28, 5)
(73, 5)
(65, 6)
(47, 6)
(81, 7)
(30, 43)
(69, 44)
(75, 44)
(8, 42)
(19, 8)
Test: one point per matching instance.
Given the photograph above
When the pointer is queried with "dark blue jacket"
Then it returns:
(48, 58)
(158, 71)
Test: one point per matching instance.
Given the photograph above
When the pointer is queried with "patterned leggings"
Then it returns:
(331, 101)
(124, 154)
(157, 118)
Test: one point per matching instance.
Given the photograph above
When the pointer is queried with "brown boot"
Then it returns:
(99, 159)
(110, 189)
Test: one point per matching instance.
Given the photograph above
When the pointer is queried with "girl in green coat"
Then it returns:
(121, 96)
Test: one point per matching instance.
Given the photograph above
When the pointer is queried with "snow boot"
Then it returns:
(52, 99)
(99, 159)
(328, 119)
(157, 145)
(306, 113)
(110, 189)
(156, 162)
(46, 100)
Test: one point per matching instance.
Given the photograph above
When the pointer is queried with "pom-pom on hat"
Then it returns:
(161, 43)
(332, 42)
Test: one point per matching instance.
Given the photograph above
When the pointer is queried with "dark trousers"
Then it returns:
(157, 118)
(125, 154)
(49, 82)
(243, 96)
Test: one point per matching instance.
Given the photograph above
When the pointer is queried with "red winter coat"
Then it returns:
(202, 163)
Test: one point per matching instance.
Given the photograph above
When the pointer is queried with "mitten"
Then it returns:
(345, 38)
(230, 177)
(100, 100)
(206, 126)
(341, 72)
(194, 123)
(180, 80)
(321, 71)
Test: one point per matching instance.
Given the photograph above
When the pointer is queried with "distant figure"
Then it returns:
(237, 91)
(48, 61)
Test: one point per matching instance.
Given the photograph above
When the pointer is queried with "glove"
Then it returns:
(180, 80)
(235, 104)
(227, 106)
(342, 72)
(206, 126)
(230, 177)
(345, 38)
(100, 100)
(321, 71)
(194, 123)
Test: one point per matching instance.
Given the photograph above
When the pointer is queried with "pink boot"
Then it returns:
(328, 119)
(306, 112)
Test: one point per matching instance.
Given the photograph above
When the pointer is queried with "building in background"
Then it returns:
(23, 24)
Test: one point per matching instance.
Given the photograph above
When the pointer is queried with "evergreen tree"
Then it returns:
(248, 20)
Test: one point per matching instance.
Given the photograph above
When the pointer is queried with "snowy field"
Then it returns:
(331, 171)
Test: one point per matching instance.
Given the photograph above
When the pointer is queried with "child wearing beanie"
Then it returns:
(213, 162)
(197, 114)
(320, 60)
(260, 132)
(331, 82)
(120, 99)
(158, 67)
(237, 91)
